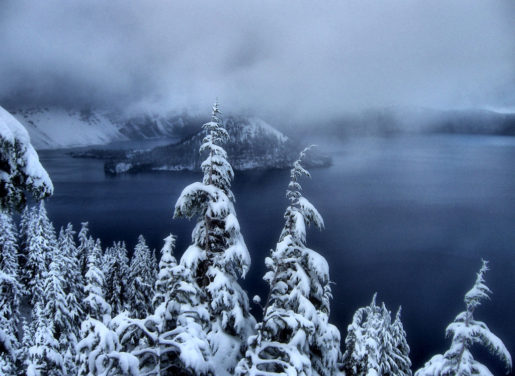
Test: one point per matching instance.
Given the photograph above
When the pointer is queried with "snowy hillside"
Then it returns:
(254, 144)
(53, 128)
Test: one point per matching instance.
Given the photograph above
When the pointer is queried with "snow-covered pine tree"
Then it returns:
(74, 282)
(116, 271)
(401, 348)
(55, 332)
(171, 340)
(295, 337)
(465, 332)
(165, 278)
(218, 255)
(142, 277)
(10, 294)
(95, 305)
(21, 173)
(99, 351)
(43, 356)
(86, 244)
(41, 243)
(374, 345)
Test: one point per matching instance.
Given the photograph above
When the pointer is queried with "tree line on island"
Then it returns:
(70, 307)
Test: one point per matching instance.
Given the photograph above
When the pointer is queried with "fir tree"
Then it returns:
(99, 351)
(218, 254)
(95, 305)
(57, 312)
(41, 243)
(43, 356)
(172, 339)
(10, 294)
(116, 271)
(74, 282)
(86, 244)
(401, 348)
(295, 336)
(165, 277)
(374, 345)
(142, 276)
(465, 332)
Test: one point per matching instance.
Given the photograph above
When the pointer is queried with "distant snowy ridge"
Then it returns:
(253, 144)
(54, 128)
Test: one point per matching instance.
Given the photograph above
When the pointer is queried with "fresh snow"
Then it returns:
(12, 132)
(57, 128)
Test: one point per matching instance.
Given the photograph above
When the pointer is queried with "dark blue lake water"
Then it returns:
(409, 217)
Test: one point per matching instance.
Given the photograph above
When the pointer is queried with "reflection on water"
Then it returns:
(408, 217)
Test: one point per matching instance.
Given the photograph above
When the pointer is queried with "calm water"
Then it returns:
(408, 217)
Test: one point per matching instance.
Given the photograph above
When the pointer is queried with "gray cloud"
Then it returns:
(297, 60)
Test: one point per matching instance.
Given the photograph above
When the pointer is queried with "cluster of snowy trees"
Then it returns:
(68, 306)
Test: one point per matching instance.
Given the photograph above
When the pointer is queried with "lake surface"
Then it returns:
(409, 217)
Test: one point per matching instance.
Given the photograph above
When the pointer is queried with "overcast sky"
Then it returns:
(284, 59)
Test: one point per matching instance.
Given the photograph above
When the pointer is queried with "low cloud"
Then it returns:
(284, 60)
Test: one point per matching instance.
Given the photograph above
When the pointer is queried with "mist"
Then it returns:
(295, 61)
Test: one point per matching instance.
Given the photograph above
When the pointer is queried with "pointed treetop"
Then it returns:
(479, 291)
(169, 245)
(300, 213)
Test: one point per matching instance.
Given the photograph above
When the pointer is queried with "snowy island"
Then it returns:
(252, 144)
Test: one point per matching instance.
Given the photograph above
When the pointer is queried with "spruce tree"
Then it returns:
(465, 332)
(57, 311)
(172, 339)
(374, 345)
(10, 294)
(116, 271)
(165, 278)
(99, 351)
(86, 244)
(95, 305)
(142, 276)
(43, 356)
(295, 337)
(218, 255)
(73, 281)
(401, 348)
(41, 243)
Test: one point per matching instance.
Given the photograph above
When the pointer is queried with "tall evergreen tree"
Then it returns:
(99, 351)
(116, 271)
(465, 332)
(86, 244)
(401, 348)
(57, 312)
(165, 278)
(96, 306)
(218, 255)
(43, 356)
(142, 277)
(73, 281)
(172, 339)
(374, 345)
(295, 337)
(41, 243)
(10, 294)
